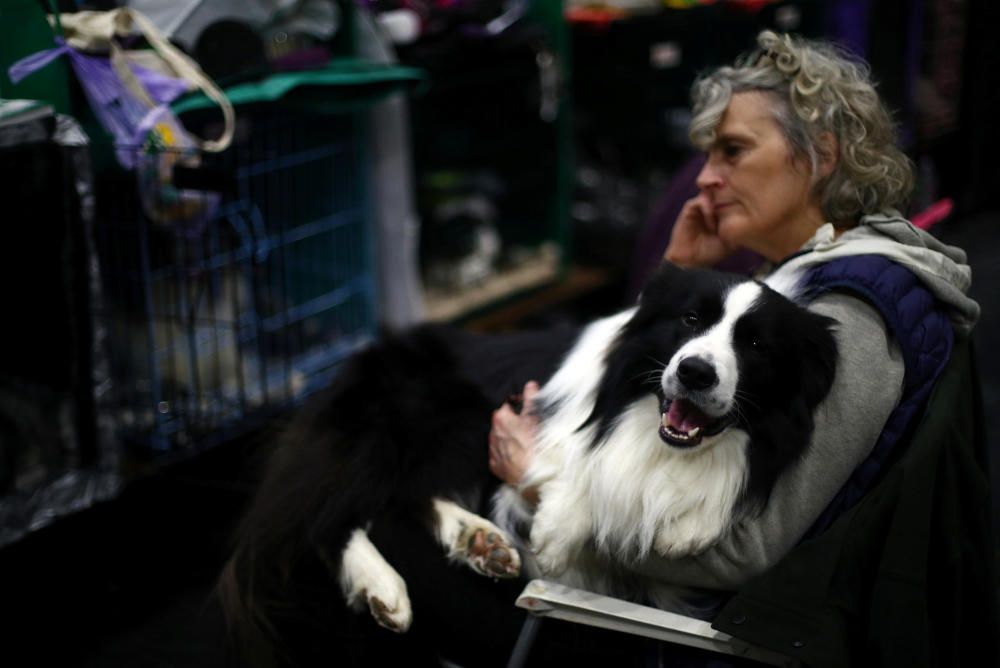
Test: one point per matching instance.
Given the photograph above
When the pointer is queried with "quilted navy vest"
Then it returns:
(924, 334)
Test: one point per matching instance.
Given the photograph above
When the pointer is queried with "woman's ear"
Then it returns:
(828, 152)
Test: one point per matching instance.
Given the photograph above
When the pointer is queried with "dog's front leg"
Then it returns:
(474, 540)
(562, 526)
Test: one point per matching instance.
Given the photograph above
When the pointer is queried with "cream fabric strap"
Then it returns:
(95, 31)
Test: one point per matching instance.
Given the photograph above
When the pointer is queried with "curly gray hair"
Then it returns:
(817, 89)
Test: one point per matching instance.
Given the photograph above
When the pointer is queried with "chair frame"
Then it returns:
(543, 599)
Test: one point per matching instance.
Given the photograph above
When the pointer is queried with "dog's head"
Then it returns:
(720, 352)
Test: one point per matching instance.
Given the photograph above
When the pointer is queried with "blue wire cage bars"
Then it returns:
(235, 283)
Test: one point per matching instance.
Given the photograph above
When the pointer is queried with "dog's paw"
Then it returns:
(552, 559)
(367, 579)
(552, 550)
(475, 541)
(677, 549)
(389, 604)
(488, 551)
(685, 539)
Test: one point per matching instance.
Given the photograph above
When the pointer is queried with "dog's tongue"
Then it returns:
(685, 416)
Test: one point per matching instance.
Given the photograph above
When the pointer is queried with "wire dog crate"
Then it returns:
(234, 283)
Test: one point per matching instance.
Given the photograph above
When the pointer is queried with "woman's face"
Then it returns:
(761, 195)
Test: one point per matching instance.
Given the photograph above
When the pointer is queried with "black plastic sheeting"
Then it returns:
(56, 456)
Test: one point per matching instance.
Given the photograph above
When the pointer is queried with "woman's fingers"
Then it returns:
(531, 390)
(688, 228)
(706, 213)
(694, 240)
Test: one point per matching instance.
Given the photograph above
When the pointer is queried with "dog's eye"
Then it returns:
(690, 319)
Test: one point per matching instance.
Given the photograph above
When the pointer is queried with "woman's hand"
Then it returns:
(512, 438)
(694, 241)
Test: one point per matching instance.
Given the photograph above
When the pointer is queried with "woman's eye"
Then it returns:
(731, 150)
(690, 319)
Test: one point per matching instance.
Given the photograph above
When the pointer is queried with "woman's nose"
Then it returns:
(708, 177)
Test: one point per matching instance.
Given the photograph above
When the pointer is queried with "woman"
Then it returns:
(802, 169)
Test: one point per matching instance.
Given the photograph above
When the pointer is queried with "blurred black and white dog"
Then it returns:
(659, 427)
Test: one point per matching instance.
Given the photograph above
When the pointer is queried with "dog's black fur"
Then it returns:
(405, 420)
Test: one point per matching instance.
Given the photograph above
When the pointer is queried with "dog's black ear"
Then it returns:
(636, 359)
(670, 284)
(819, 356)
(666, 288)
(789, 427)
(666, 277)
(626, 366)
(622, 383)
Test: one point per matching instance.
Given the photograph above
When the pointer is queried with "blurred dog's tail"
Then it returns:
(279, 574)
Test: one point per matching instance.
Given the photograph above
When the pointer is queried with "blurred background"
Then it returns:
(496, 164)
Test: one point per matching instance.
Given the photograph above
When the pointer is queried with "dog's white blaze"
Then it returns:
(365, 575)
(715, 346)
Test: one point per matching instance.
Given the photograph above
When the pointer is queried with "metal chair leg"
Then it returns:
(525, 640)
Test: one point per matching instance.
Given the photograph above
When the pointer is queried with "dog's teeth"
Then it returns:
(694, 432)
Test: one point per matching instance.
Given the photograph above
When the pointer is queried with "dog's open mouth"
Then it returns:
(684, 425)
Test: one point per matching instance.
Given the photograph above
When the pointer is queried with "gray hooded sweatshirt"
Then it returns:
(867, 387)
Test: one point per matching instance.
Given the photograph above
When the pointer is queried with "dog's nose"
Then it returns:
(696, 374)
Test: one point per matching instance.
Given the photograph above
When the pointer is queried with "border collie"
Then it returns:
(659, 428)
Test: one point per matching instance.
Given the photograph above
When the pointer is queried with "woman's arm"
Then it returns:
(866, 389)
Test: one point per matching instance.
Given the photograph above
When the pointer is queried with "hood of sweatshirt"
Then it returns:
(942, 268)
